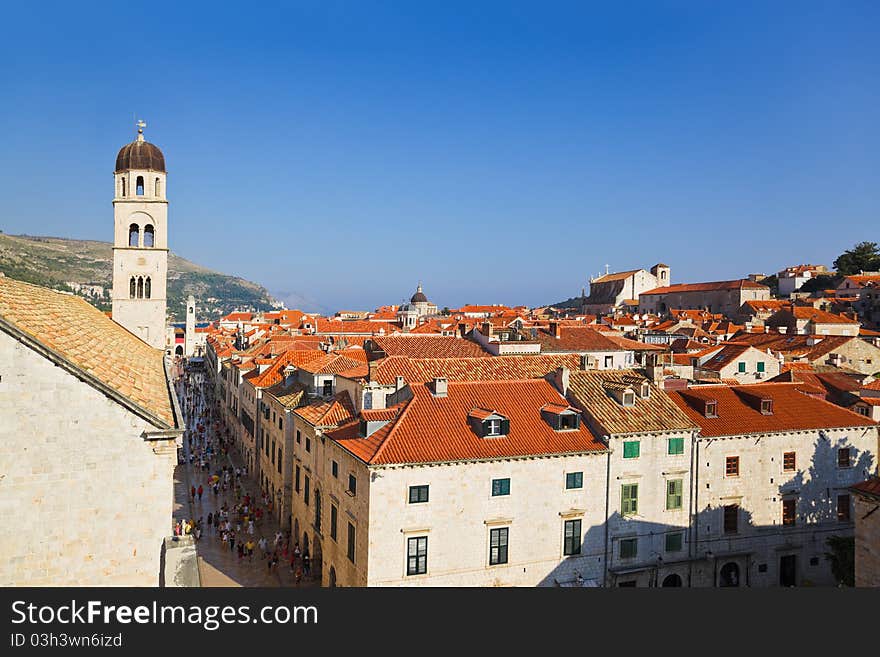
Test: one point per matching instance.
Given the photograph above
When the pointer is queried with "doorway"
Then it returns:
(788, 570)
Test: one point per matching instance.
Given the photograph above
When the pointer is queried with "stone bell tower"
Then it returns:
(140, 242)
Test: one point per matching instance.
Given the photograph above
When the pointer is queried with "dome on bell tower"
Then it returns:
(140, 154)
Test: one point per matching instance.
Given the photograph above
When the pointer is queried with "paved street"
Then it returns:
(218, 564)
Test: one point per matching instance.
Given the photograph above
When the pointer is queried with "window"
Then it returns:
(631, 449)
(500, 487)
(279, 460)
(843, 460)
(498, 546)
(280, 425)
(843, 508)
(568, 421)
(134, 234)
(767, 407)
(328, 388)
(317, 510)
(298, 437)
(416, 555)
(418, 494)
(149, 235)
(675, 446)
(140, 294)
(267, 447)
(352, 484)
(629, 499)
(674, 542)
(609, 362)
(741, 367)
(351, 540)
(132, 288)
(711, 409)
(334, 518)
(731, 519)
(673, 494)
(629, 548)
(140, 186)
(334, 469)
(731, 466)
(629, 399)
(789, 461)
(572, 537)
(123, 186)
(306, 492)
(789, 512)
(493, 427)
(574, 480)
(761, 366)
(157, 188)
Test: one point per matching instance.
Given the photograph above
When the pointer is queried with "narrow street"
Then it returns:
(239, 495)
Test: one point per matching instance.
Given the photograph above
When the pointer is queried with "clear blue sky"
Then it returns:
(499, 152)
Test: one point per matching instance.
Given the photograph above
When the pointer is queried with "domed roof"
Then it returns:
(419, 296)
(140, 154)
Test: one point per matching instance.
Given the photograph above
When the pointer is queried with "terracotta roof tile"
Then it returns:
(739, 284)
(429, 346)
(91, 342)
(328, 413)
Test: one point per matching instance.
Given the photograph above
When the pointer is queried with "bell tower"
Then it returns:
(140, 240)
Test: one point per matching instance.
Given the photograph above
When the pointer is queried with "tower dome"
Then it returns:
(419, 296)
(140, 154)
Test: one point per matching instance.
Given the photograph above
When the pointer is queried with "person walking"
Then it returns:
(200, 491)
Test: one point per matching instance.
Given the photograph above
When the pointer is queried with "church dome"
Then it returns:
(140, 154)
(419, 296)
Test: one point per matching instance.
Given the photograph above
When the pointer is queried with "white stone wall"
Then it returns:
(461, 511)
(759, 490)
(84, 499)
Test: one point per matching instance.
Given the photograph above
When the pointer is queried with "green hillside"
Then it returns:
(57, 262)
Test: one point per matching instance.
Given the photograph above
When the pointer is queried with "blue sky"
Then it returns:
(498, 152)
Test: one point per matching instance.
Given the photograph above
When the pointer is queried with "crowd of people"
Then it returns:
(237, 520)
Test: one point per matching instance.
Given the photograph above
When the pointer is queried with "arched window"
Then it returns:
(140, 287)
(132, 288)
(158, 187)
(149, 235)
(123, 185)
(134, 235)
(729, 575)
(148, 288)
(140, 186)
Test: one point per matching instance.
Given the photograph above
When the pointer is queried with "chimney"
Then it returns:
(554, 329)
(560, 380)
(439, 386)
(584, 362)
(373, 369)
(399, 383)
(486, 329)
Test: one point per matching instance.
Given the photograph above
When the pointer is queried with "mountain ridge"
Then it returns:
(84, 267)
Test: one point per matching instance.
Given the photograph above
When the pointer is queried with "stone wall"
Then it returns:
(867, 532)
(85, 500)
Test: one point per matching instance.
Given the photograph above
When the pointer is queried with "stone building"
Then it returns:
(771, 484)
(866, 512)
(724, 297)
(490, 483)
(622, 289)
(140, 242)
(89, 430)
(410, 314)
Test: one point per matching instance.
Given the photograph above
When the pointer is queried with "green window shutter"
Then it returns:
(761, 366)
(631, 449)
(673, 494)
(675, 446)
(742, 367)
(674, 542)
(629, 499)
(505, 427)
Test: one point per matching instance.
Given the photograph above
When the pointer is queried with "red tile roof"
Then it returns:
(436, 429)
(740, 284)
(576, 339)
(328, 413)
(429, 346)
(869, 488)
(738, 415)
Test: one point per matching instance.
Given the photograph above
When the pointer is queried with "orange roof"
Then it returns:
(739, 284)
(328, 413)
(869, 487)
(420, 370)
(864, 279)
(617, 276)
(330, 364)
(577, 339)
(432, 429)
(275, 372)
(738, 414)
(429, 346)
(91, 343)
(818, 316)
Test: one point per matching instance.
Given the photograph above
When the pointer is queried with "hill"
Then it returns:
(84, 267)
